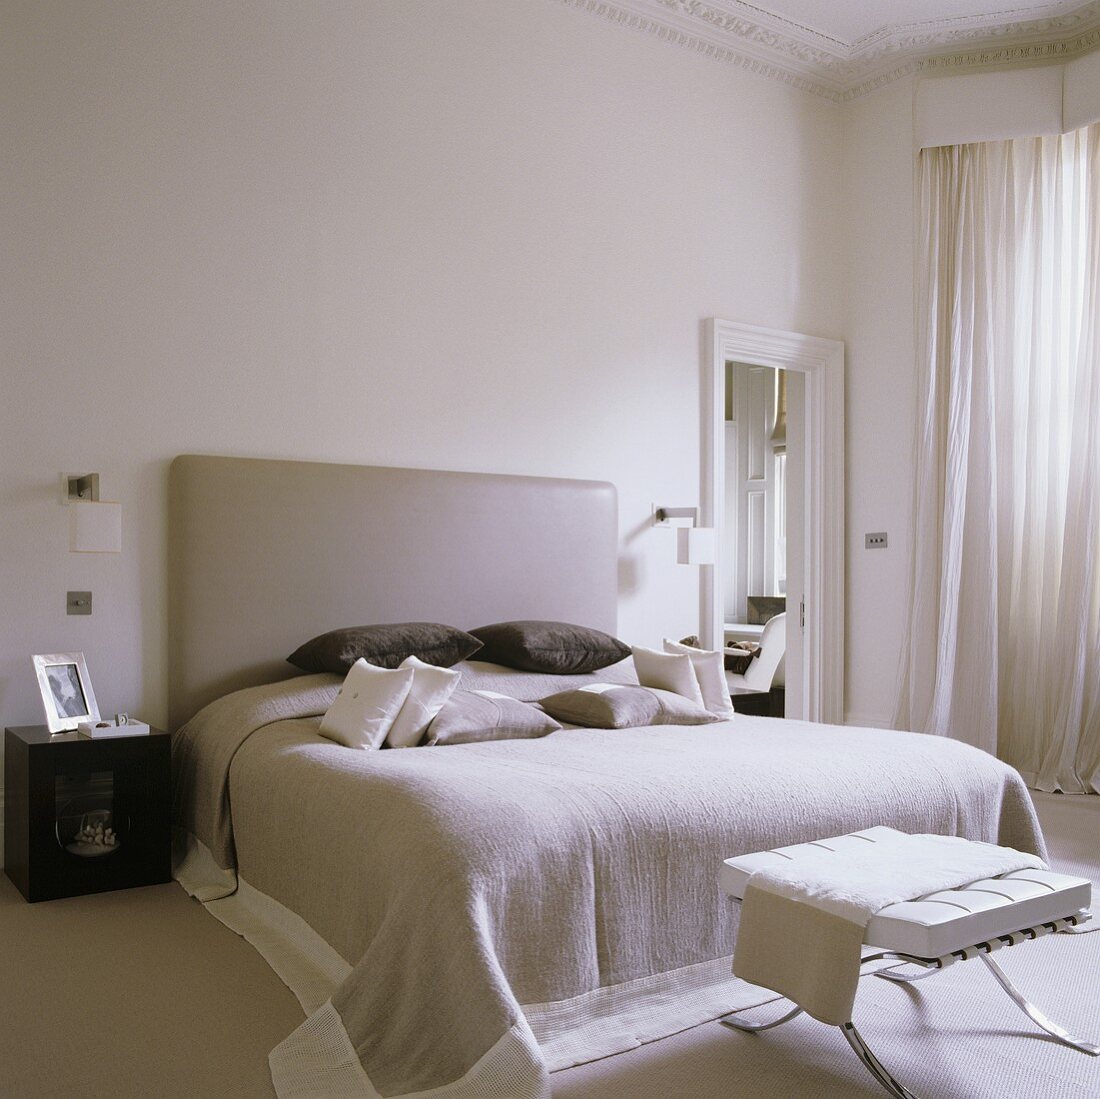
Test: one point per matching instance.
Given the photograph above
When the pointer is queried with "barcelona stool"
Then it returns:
(925, 936)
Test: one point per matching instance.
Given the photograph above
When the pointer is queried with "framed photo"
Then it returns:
(67, 694)
(763, 608)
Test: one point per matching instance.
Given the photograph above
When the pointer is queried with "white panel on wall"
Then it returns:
(733, 580)
(757, 395)
(794, 659)
(756, 507)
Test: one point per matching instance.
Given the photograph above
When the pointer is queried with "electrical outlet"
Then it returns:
(877, 540)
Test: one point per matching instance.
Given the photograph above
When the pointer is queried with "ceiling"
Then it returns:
(848, 21)
(842, 49)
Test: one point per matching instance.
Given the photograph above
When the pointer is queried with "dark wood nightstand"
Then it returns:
(62, 786)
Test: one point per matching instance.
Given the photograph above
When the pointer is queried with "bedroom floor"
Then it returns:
(141, 993)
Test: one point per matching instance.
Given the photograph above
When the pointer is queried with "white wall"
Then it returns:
(468, 235)
(881, 395)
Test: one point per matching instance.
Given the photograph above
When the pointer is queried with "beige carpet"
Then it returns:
(141, 993)
(135, 993)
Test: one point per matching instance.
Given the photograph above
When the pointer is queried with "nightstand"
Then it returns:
(63, 790)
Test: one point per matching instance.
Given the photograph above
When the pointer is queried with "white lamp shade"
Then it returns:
(95, 527)
(695, 545)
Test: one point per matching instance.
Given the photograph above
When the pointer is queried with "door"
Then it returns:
(815, 536)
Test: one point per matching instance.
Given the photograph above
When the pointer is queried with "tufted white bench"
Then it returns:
(937, 930)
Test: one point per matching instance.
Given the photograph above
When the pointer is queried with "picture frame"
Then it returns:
(66, 689)
(763, 608)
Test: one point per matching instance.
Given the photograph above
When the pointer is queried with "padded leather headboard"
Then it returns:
(266, 554)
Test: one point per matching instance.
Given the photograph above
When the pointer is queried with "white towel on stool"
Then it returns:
(802, 925)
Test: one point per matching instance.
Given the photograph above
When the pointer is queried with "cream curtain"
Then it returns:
(1003, 645)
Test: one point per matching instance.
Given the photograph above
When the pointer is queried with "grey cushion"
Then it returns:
(560, 648)
(612, 706)
(469, 716)
(385, 646)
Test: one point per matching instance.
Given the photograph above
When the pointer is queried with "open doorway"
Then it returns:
(763, 418)
(814, 473)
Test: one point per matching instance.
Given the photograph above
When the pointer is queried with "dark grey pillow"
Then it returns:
(611, 706)
(556, 647)
(385, 646)
(469, 716)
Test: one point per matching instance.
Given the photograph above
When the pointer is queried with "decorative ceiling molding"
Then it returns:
(745, 35)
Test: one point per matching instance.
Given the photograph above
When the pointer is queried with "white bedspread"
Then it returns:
(575, 875)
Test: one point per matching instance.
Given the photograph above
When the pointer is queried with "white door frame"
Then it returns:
(821, 362)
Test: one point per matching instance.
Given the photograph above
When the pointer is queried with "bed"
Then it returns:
(465, 919)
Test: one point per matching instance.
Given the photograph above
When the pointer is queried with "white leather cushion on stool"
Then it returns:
(940, 922)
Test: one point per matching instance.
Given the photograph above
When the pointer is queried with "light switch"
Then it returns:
(78, 602)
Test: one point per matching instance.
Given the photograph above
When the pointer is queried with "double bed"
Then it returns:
(465, 919)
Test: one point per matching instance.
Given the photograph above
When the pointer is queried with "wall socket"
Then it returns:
(877, 540)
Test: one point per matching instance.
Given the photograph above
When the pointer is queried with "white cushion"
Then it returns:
(667, 672)
(367, 705)
(942, 922)
(431, 687)
(710, 671)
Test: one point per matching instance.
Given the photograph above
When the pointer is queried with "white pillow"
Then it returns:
(367, 704)
(667, 672)
(710, 671)
(431, 687)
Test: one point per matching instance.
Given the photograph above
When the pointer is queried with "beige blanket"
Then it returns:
(461, 882)
(802, 927)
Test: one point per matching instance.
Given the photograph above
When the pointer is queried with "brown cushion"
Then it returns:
(559, 648)
(384, 646)
(469, 716)
(610, 706)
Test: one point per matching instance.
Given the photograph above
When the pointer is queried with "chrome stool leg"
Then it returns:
(873, 1064)
(855, 1040)
(905, 978)
(750, 1028)
(928, 966)
(1035, 1015)
(1072, 924)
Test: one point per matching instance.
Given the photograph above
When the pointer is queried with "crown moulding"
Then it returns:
(742, 34)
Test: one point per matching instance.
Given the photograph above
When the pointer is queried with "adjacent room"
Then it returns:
(550, 548)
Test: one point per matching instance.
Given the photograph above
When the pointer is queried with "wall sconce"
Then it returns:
(95, 526)
(694, 544)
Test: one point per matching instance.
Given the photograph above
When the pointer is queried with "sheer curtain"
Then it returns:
(1003, 644)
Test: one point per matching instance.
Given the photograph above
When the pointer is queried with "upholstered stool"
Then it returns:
(939, 929)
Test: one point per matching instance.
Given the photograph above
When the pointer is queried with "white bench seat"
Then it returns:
(943, 922)
(931, 932)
